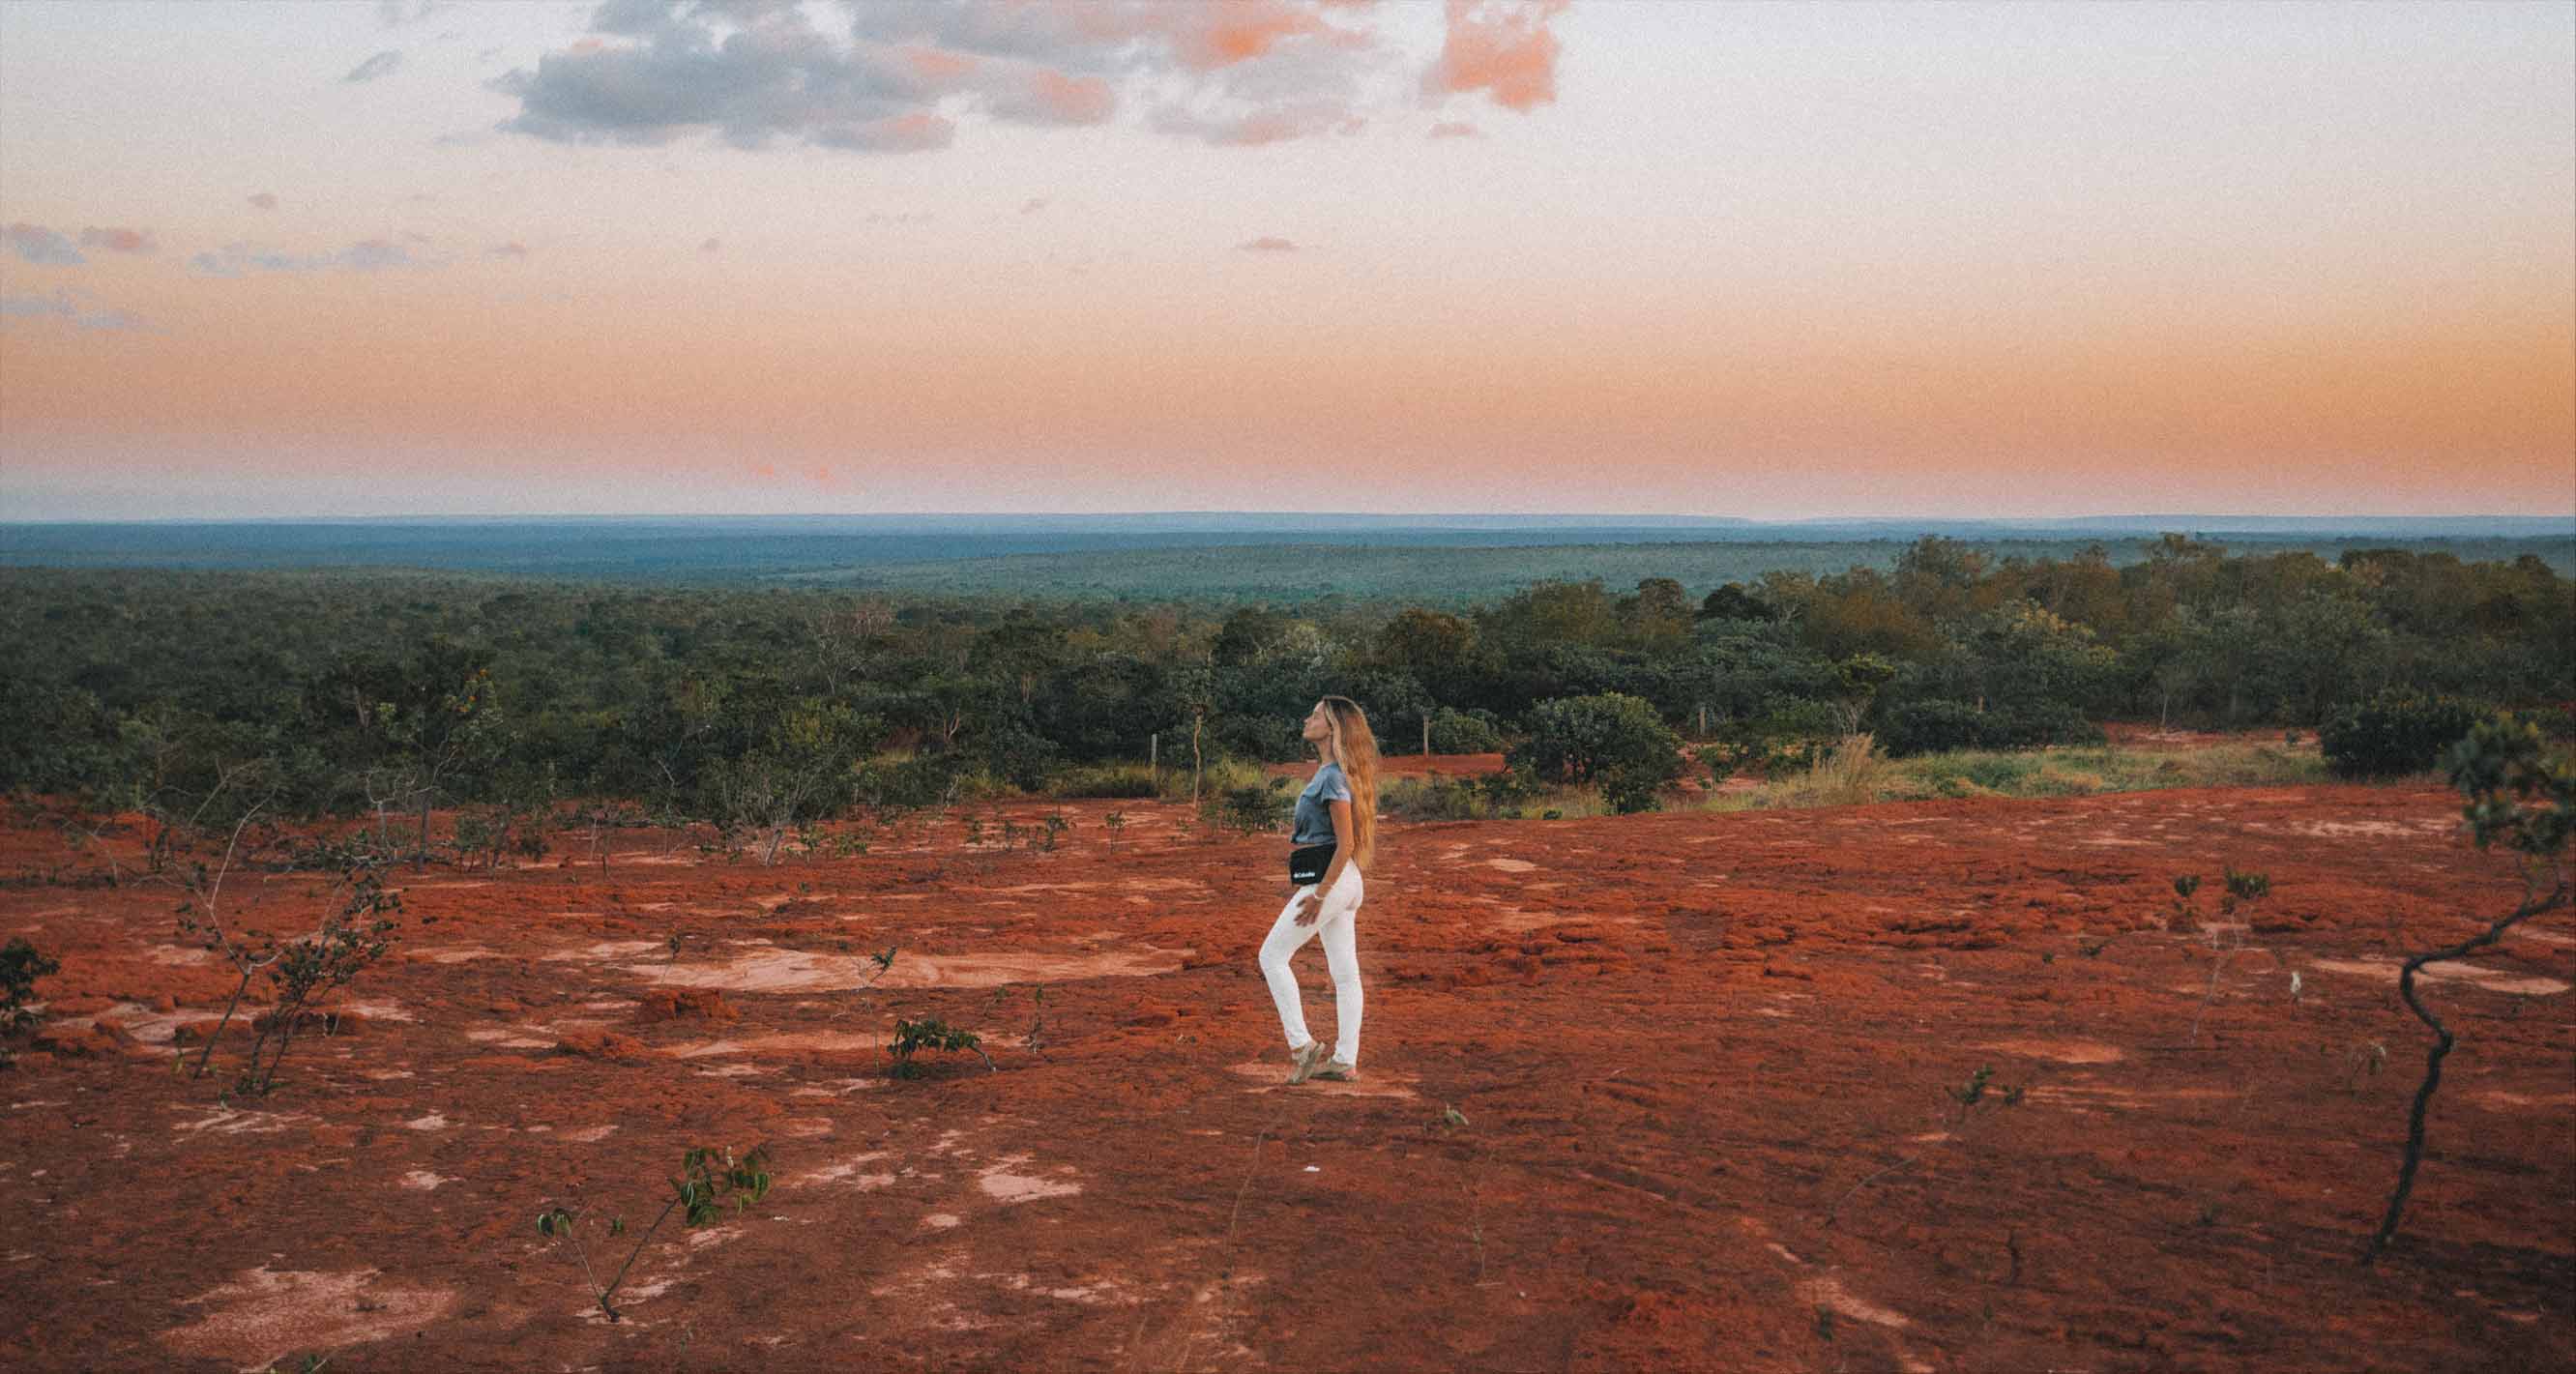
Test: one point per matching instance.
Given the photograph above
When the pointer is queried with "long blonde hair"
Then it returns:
(1355, 749)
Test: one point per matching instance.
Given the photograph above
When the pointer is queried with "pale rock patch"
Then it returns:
(265, 1316)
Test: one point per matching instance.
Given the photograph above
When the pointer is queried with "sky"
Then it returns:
(1607, 256)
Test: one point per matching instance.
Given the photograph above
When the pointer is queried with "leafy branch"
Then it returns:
(2521, 795)
(710, 1184)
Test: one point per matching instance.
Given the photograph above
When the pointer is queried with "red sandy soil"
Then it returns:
(1706, 1066)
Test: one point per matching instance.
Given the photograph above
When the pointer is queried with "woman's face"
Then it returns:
(1318, 725)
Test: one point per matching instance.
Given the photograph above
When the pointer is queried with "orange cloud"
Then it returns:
(939, 66)
(1221, 35)
(1501, 47)
(1048, 96)
(119, 240)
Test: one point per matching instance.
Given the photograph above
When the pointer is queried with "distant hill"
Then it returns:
(1196, 555)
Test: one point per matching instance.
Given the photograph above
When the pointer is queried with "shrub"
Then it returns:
(1615, 742)
(903, 784)
(1248, 809)
(20, 967)
(1458, 732)
(2393, 733)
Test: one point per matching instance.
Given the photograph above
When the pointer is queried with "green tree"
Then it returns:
(1614, 742)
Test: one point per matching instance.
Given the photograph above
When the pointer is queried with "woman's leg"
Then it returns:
(1286, 938)
(1340, 932)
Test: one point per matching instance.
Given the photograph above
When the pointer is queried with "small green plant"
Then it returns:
(352, 937)
(2226, 935)
(1036, 1038)
(1116, 824)
(1975, 1091)
(931, 1033)
(1965, 1098)
(711, 1183)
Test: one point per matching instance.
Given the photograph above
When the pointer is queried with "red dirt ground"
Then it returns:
(1706, 1065)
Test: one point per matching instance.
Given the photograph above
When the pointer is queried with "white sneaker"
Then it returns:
(1337, 1072)
(1307, 1060)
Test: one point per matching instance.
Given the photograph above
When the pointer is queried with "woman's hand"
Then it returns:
(1311, 907)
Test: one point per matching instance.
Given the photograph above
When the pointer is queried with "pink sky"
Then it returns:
(1772, 261)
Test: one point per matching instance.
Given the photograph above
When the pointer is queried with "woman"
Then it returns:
(1338, 809)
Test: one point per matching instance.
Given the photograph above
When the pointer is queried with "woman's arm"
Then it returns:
(1314, 907)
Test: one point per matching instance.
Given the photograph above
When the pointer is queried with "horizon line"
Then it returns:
(1604, 517)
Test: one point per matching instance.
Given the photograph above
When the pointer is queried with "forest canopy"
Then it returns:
(344, 684)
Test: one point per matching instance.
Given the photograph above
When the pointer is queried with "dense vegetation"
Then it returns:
(352, 691)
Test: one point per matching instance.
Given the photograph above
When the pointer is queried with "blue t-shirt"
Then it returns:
(1314, 810)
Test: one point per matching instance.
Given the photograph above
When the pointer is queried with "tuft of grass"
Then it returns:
(1850, 774)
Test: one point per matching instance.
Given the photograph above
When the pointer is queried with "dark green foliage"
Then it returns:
(1733, 602)
(1928, 727)
(766, 710)
(20, 967)
(1128, 782)
(2395, 732)
(1617, 743)
(1463, 732)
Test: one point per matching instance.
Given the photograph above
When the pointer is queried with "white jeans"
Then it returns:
(1341, 956)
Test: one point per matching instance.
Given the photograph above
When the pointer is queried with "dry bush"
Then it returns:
(1849, 774)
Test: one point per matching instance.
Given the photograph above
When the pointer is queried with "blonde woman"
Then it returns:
(1336, 836)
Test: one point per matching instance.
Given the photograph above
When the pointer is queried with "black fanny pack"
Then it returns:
(1307, 865)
